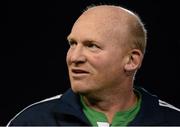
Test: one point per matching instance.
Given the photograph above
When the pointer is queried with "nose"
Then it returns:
(76, 55)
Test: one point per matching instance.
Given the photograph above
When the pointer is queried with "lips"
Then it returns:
(79, 71)
(79, 74)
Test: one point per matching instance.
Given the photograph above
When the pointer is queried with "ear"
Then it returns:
(134, 60)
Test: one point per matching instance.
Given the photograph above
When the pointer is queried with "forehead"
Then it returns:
(104, 24)
(90, 28)
(98, 26)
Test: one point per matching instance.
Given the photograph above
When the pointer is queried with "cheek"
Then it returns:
(100, 62)
(109, 63)
(68, 57)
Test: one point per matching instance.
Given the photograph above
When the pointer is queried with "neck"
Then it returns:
(109, 104)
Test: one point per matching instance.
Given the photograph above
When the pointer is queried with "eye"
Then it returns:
(92, 46)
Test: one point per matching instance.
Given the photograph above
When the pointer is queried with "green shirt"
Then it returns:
(120, 119)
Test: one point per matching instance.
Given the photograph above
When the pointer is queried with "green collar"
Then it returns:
(120, 119)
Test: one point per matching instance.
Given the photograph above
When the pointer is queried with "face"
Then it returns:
(95, 58)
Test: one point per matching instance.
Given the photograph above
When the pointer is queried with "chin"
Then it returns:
(80, 90)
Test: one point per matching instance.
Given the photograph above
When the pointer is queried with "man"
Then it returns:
(107, 45)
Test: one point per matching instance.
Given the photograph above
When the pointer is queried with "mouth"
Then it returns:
(79, 73)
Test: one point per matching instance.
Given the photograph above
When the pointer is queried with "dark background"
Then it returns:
(33, 48)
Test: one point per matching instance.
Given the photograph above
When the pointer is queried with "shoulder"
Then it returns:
(155, 111)
(153, 100)
(169, 109)
(170, 113)
(157, 103)
(35, 111)
(158, 112)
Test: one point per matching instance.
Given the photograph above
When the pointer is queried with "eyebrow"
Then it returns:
(70, 38)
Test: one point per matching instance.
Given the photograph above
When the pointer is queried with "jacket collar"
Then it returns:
(68, 110)
(149, 107)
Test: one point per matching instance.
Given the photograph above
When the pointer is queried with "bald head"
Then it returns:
(109, 12)
(115, 23)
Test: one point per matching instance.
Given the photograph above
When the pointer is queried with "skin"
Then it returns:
(101, 61)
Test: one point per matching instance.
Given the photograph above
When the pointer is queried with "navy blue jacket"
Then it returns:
(67, 111)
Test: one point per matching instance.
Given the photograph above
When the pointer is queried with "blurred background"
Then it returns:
(33, 48)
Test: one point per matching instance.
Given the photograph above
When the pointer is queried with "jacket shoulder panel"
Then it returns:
(32, 106)
(165, 104)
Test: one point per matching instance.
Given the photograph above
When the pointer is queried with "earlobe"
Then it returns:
(134, 60)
